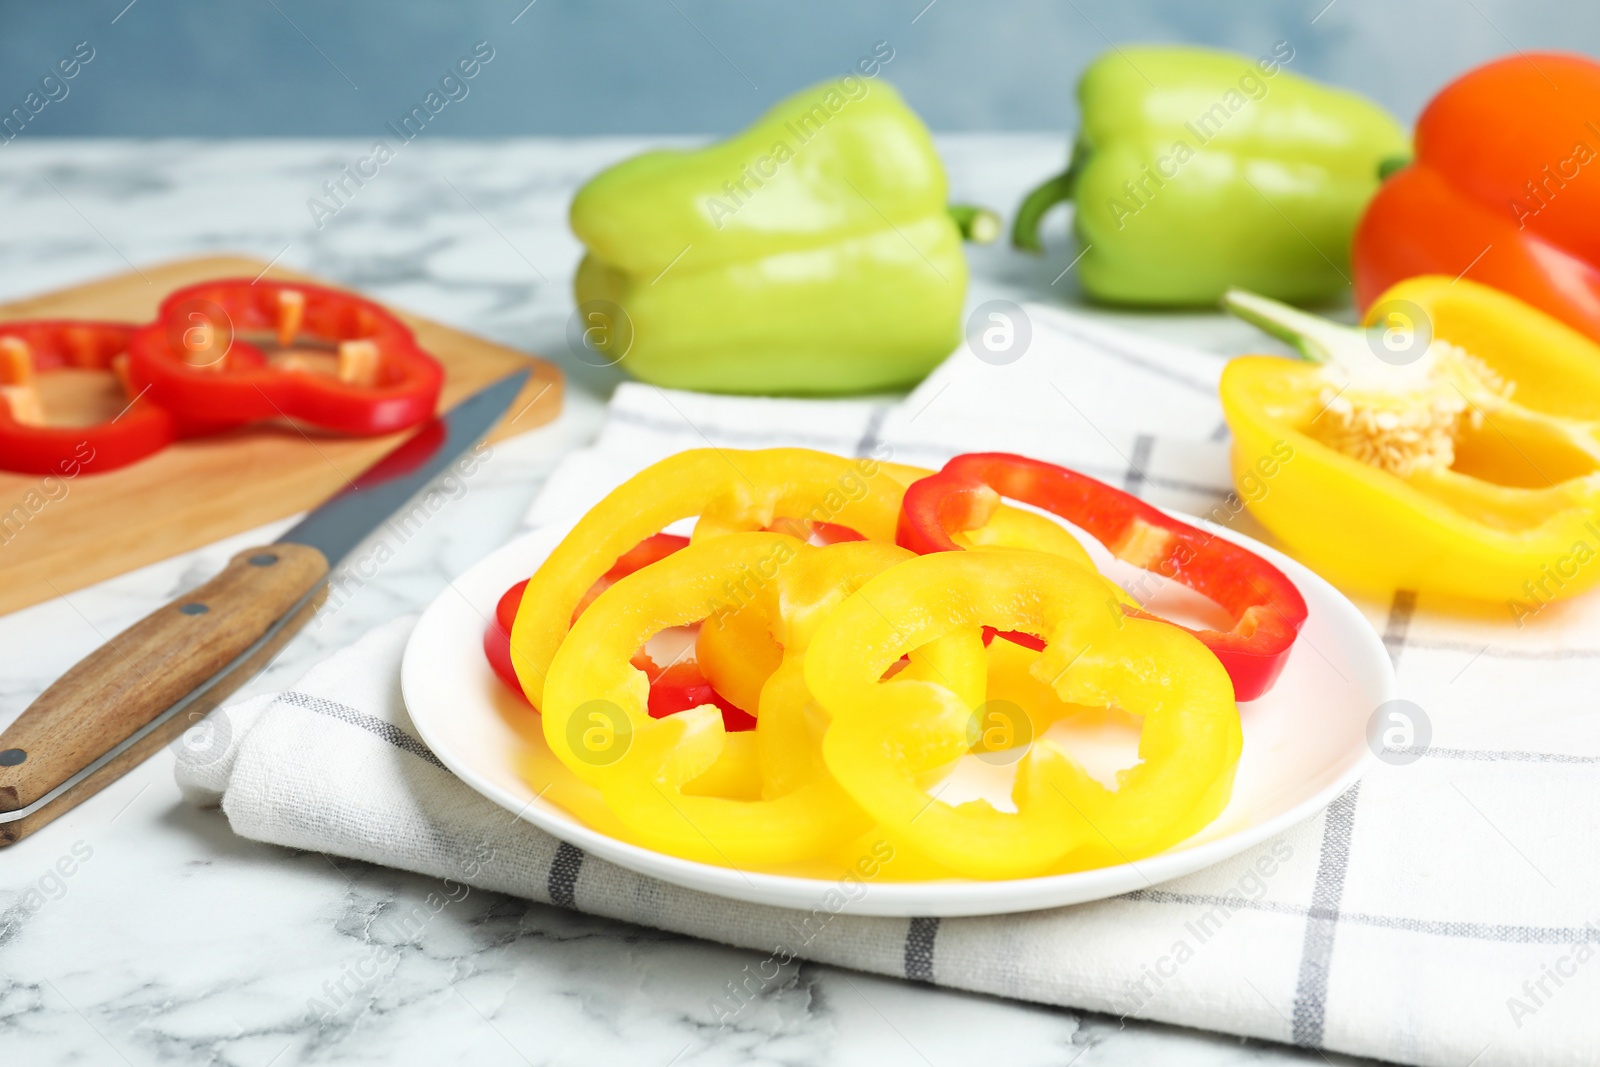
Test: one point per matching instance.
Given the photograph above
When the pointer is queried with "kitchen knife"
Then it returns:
(152, 681)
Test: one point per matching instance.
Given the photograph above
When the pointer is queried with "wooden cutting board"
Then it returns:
(58, 535)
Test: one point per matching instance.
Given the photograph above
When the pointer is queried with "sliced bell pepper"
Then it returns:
(497, 636)
(677, 687)
(29, 442)
(595, 720)
(1267, 608)
(682, 685)
(735, 776)
(791, 722)
(884, 732)
(1503, 189)
(195, 362)
(730, 489)
(739, 653)
(655, 547)
(1464, 463)
(832, 533)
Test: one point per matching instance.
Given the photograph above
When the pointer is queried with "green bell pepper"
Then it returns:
(811, 254)
(1196, 170)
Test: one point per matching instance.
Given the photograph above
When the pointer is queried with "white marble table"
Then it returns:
(172, 940)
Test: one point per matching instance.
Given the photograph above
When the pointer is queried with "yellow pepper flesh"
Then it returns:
(747, 490)
(884, 732)
(595, 718)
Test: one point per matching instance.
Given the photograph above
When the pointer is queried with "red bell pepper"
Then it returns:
(1267, 607)
(655, 547)
(497, 636)
(677, 687)
(1505, 188)
(831, 533)
(681, 686)
(198, 364)
(29, 444)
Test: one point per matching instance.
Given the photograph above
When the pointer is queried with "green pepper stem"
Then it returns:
(1037, 204)
(977, 224)
(1389, 164)
(1317, 339)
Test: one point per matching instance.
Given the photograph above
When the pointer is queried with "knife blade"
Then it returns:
(147, 684)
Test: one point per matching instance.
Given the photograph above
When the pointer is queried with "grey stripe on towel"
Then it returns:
(562, 885)
(920, 936)
(1316, 954)
(370, 723)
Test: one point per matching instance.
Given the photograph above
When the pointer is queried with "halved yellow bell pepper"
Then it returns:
(885, 733)
(1455, 449)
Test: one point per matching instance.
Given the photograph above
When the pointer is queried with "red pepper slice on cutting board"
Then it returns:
(677, 687)
(370, 376)
(1267, 608)
(30, 442)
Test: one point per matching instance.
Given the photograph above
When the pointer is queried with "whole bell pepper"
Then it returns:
(812, 253)
(1504, 185)
(1458, 453)
(1195, 170)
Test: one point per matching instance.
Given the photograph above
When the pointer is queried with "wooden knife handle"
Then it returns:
(134, 677)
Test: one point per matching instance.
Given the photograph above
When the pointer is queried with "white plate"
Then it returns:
(1304, 744)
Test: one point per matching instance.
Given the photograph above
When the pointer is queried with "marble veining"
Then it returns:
(139, 930)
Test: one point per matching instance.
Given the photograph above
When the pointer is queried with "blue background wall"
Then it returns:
(315, 67)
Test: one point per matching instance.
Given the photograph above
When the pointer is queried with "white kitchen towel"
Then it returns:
(1445, 912)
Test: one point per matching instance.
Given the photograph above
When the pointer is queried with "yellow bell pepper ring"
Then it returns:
(733, 647)
(1452, 449)
(787, 736)
(596, 718)
(790, 724)
(883, 732)
(1015, 690)
(737, 652)
(741, 490)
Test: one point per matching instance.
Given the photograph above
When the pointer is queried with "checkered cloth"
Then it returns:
(1442, 912)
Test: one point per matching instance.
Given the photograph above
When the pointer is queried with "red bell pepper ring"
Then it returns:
(677, 687)
(1267, 607)
(655, 547)
(681, 686)
(29, 444)
(497, 636)
(831, 533)
(195, 363)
